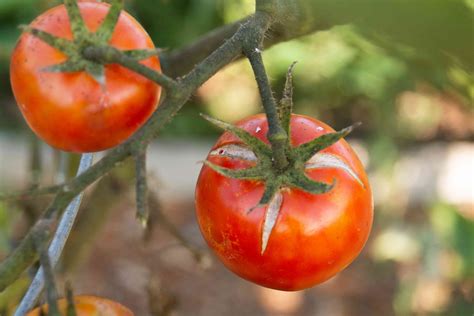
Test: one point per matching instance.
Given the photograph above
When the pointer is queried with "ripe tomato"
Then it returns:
(315, 235)
(88, 306)
(71, 111)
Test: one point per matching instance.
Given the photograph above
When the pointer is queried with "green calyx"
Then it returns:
(83, 39)
(293, 175)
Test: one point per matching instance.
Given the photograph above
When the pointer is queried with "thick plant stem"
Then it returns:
(276, 134)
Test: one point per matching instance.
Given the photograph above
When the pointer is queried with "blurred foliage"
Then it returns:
(454, 230)
(9, 297)
(404, 68)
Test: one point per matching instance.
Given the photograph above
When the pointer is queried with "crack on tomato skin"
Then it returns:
(234, 151)
(271, 216)
(324, 160)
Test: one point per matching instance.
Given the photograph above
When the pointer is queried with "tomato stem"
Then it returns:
(276, 134)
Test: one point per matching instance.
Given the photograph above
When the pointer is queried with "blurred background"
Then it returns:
(414, 97)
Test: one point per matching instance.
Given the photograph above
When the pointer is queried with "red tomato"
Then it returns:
(315, 235)
(71, 111)
(88, 306)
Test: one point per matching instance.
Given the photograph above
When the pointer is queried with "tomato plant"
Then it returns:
(299, 239)
(89, 305)
(69, 108)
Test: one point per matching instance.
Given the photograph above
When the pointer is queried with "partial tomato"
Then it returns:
(312, 236)
(88, 306)
(71, 111)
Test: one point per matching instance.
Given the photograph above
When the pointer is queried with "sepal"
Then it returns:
(260, 149)
(309, 149)
(301, 181)
(252, 173)
(106, 29)
(285, 106)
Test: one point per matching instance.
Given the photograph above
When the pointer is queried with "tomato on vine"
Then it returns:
(88, 305)
(73, 103)
(291, 233)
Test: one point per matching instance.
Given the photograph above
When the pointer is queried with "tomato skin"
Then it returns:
(71, 111)
(315, 236)
(88, 306)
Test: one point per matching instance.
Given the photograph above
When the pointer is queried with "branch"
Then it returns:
(31, 193)
(177, 63)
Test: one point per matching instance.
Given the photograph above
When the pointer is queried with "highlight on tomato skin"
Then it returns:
(71, 110)
(88, 306)
(314, 237)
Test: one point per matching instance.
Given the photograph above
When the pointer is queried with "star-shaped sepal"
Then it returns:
(82, 38)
